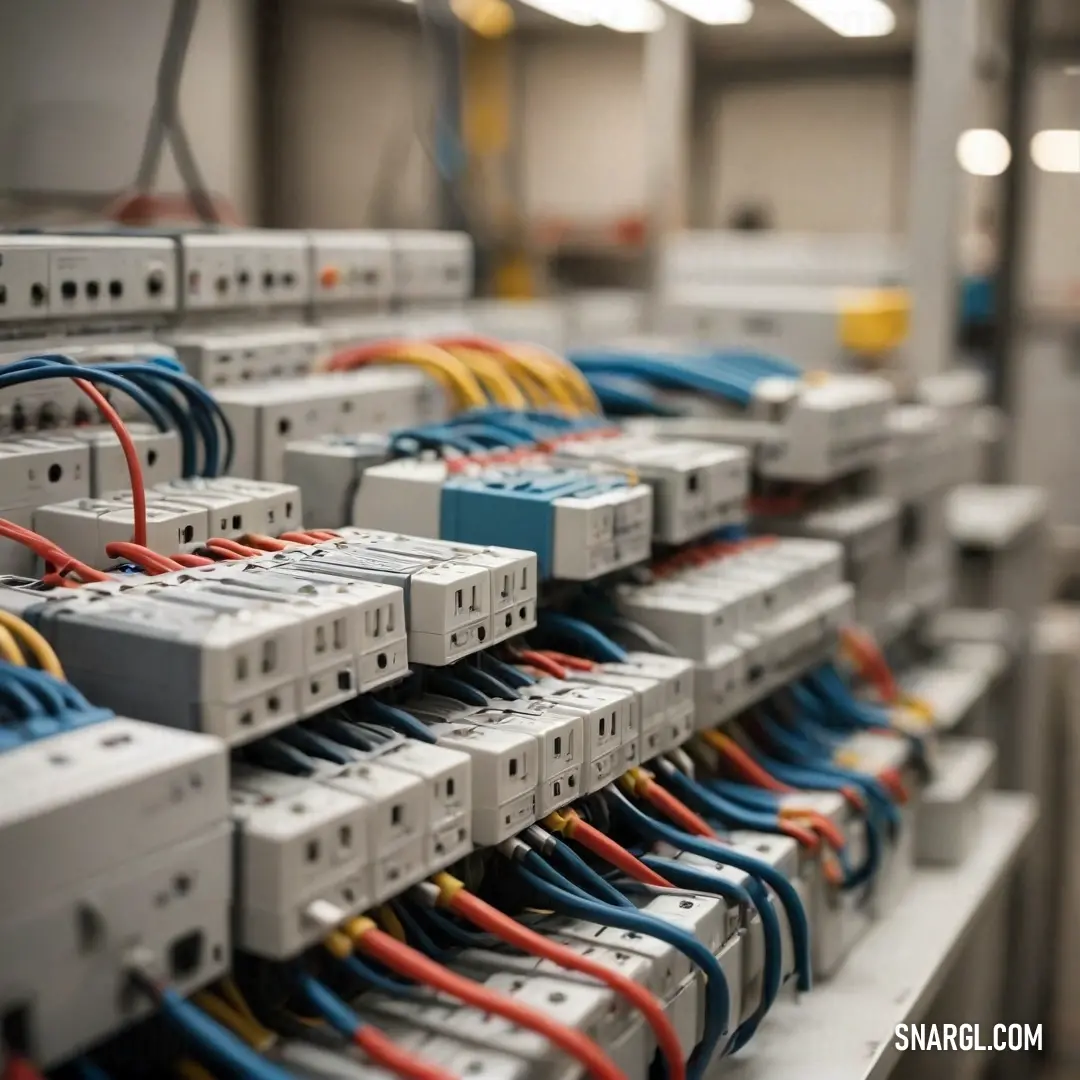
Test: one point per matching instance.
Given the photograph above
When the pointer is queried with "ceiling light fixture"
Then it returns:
(627, 16)
(1056, 151)
(983, 152)
(851, 18)
(715, 12)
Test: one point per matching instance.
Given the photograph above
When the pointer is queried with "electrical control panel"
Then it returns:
(223, 357)
(351, 270)
(434, 268)
(88, 279)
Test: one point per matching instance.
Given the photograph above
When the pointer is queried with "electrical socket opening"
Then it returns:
(186, 954)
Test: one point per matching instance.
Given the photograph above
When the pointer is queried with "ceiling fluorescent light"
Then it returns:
(631, 16)
(578, 12)
(983, 152)
(1056, 151)
(851, 18)
(715, 12)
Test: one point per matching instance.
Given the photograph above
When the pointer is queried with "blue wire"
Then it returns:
(455, 688)
(544, 869)
(714, 805)
(597, 645)
(417, 933)
(398, 719)
(90, 1070)
(507, 672)
(755, 897)
(718, 852)
(375, 979)
(14, 691)
(41, 368)
(332, 1009)
(577, 868)
(216, 1042)
(486, 683)
(717, 994)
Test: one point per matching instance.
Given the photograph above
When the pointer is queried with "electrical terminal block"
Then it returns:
(242, 270)
(297, 843)
(558, 732)
(621, 1019)
(83, 527)
(239, 506)
(695, 624)
(368, 620)
(514, 579)
(447, 605)
(869, 530)
(329, 471)
(581, 525)
(86, 280)
(448, 774)
(811, 430)
(504, 776)
(649, 707)
(179, 656)
(35, 470)
(266, 417)
(607, 712)
(431, 268)
(351, 269)
(227, 357)
(134, 818)
(158, 451)
(697, 487)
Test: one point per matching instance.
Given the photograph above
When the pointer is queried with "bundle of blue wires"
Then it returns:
(568, 899)
(579, 635)
(655, 831)
(161, 388)
(34, 705)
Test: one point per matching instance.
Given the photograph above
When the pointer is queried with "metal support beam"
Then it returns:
(668, 81)
(944, 68)
(1013, 247)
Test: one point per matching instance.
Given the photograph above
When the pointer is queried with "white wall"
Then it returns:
(822, 156)
(77, 84)
(358, 91)
(583, 126)
(1054, 215)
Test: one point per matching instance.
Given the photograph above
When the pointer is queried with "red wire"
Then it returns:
(574, 663)
(675, 809)
(233, 545)
(142, 556)
(131, 456)
(322, 534)
(188, 560)
(223, 552)
(602, 846)
(506, 929)
(57, 561)
(543, 663)
(299, 538)
(871, 663)
(265, 543)
(18, 1068)
(393, 1058)
(828, 830)
(757, 774)
(414, 965)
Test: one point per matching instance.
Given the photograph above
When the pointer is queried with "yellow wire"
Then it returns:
(9, 648)
(192, 1070)
(391, 923)
(576, 383)
(547, 375)
(231, 993)
(500, 387)
(252, 1032)
(35, 644)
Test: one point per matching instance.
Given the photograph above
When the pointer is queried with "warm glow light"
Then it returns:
(851, 18)
(1056, 151)
(631, 16)
(983, 152)
(579, 12)
(628, 16)
(715, 12)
